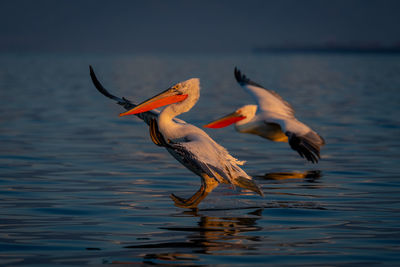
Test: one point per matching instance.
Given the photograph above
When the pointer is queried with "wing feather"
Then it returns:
(145, 116)
(267, 100)
(307, 145)
(204, 155)
(224, 170)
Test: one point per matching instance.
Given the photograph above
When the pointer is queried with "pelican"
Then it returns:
(191, 146)
(274, 121)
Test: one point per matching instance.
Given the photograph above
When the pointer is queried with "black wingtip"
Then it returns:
(99, 86)
(243, 80)
(95, 81)
(304, 147)
(92, 75)
(238, 75)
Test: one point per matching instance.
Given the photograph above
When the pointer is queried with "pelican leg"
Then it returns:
(206, 187)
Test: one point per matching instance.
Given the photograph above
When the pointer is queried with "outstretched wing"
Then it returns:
(267, 100)
(145, 116)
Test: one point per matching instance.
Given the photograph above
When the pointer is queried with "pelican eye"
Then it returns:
(176, 89)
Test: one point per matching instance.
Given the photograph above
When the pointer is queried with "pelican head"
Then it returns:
(184, 94)
(240, 116)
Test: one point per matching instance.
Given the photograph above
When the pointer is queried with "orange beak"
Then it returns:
(225, 121)
(167, 97)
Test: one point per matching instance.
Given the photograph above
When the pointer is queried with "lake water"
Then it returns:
(81, 186)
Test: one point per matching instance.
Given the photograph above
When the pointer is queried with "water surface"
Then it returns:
(81, 186)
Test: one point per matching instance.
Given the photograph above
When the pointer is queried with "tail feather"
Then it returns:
(248, 184)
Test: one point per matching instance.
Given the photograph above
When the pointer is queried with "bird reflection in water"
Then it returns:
(211, 235)
(308, 176)
(293, 181)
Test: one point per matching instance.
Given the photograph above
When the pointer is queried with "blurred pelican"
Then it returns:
(191, 146)
(274, 121)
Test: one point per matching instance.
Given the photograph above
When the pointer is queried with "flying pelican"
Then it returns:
(191, 146)
(275, 120)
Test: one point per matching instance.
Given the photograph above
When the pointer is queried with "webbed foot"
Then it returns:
(191, 202)
(195, 200)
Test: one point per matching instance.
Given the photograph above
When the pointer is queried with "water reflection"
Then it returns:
(291, 183)
(308, 176)
(212, 235)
